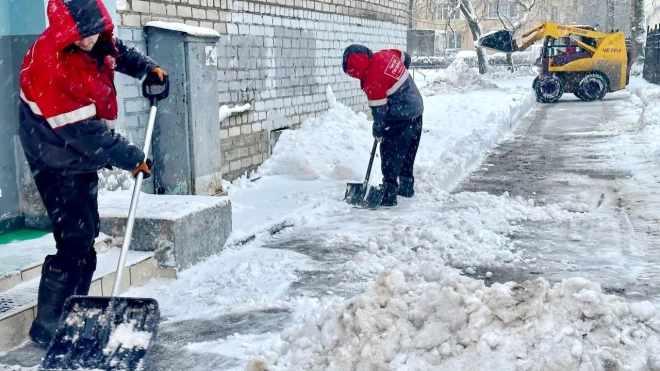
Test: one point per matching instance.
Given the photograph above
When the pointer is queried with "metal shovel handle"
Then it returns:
(371, 162)
(154, 97)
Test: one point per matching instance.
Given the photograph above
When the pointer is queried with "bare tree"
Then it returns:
(653, 15)
(514, 21)
(637, 29)
(467, 9)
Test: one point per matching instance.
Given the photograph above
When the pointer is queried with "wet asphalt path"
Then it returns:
(558, 155)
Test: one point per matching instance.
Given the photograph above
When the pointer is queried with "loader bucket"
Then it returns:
(107, 333)
(502, 41)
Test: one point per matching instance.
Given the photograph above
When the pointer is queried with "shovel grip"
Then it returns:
(371, 161)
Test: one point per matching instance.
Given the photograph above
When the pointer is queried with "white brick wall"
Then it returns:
(278, 55)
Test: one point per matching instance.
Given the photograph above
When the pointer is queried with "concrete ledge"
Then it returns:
(180, 230)
(33, 270)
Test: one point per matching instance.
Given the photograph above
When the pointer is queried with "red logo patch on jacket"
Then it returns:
(394, 68)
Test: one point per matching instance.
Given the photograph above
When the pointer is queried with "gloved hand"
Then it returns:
(378, 129)
(155, 77)
(145, 168)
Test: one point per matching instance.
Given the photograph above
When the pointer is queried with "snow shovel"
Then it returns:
(109, 333)
(361, 194)
(499, 40)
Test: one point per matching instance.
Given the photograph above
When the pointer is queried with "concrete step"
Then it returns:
(28, 266)
(18, 303)
(180, 230)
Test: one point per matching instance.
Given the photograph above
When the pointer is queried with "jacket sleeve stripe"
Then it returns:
(398, 84)
(74, 116)
(375, 103)
(33, 106)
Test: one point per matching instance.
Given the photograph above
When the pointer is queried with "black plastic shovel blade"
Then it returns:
(355, 193)
(107, 333)
(374, 198)
(500, 40)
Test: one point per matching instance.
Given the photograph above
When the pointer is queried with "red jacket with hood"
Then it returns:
(68, 98)
(391, 93)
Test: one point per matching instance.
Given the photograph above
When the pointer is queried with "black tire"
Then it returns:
(577, 94)
(593, 87)
(549, 89)
(536, 81)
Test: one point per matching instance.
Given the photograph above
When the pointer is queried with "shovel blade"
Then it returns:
(500, 40)
(355, 193)
(108, 333)
(373, 198)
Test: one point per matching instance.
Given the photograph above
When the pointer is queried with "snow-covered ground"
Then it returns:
(419, 313)
(415, 310)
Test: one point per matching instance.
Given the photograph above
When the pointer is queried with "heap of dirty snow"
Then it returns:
(429, 318)
(458, 78)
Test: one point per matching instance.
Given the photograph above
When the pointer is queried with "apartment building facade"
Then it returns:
(446, 29)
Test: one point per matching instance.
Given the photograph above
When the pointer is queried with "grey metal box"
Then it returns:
(186, 144)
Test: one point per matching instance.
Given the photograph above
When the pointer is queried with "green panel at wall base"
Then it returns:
(21, 235)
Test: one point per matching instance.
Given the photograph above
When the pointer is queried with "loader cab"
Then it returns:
(564, 50)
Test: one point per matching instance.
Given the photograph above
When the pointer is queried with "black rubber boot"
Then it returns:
(406, 186)
(389, 197)
(87, 273)
(58, 282)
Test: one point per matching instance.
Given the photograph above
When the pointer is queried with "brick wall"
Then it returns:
(279, 56)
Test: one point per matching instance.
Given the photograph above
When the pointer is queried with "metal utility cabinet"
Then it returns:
(186, 144)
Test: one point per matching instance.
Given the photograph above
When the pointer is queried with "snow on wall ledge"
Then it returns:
(187, 29)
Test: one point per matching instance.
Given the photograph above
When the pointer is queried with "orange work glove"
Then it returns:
(144, 167)
(155, 76)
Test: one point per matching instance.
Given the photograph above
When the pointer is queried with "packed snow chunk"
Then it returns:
(643, 310)
(458, 78)
(127, 337)
(504, 327)
(257, 363)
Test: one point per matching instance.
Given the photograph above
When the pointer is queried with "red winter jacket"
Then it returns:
(68, 97)
(391, 92)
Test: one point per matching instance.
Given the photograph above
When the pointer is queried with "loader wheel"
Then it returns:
(593, 87)
(536, 81)
(549, 89)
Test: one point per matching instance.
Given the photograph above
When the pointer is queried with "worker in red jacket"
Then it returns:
(397, 109)
(68, 108)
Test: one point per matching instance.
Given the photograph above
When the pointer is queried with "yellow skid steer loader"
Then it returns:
(574, 59)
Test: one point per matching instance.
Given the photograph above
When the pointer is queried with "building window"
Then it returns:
(507, 9)
(454, 41)
(446, 11)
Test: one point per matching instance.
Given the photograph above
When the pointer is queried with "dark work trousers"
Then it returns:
(72, 206)
(399, 148)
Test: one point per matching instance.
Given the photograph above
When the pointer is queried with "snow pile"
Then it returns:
(457, 137)
(502, 72)
(428, 317)
(458, 78)
(115, 179)
(650, 96)
(336, 144)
